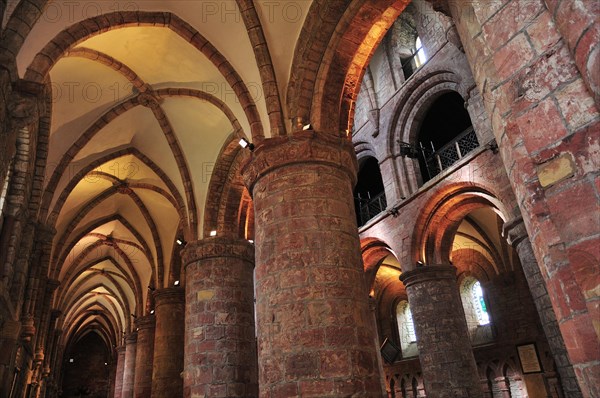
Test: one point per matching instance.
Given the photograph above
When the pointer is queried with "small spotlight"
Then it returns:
(420, 263)
(137, 329)
(151, 288)
(151, 312)
(176, 283)
(180, 241)
(307, 127)
(213, 232)
(105, 363)
(250, 241)
(245, 144)
(71, 360)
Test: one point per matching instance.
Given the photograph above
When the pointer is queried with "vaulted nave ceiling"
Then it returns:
(140, 115)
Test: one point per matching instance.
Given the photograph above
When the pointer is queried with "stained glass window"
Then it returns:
(421, 57)
(479, 303)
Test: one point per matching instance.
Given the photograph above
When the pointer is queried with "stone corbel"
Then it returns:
(514, 231)
(374, 118)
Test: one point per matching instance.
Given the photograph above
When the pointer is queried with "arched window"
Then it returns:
(420, 58)
(479, 303)
(406, 329)
(476, 311)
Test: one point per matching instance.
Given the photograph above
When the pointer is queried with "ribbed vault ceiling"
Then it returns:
(139, 118)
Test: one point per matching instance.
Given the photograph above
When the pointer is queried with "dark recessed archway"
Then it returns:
(87, 368)
(444, 135)
(369, 195)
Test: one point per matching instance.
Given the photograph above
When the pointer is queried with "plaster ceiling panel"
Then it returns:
(218, 21)
(487, 220)
(132, 169)
(282, 22)
(202, 130)
(78, 199)
(464, 242)
(167, 217)
(74, 253)
(120, 132)
(467, 228)
(82, 90)
(122, 205)
(127, 167)
(138, 128)
(163, 59)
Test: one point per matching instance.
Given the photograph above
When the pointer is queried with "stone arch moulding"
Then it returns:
(226, 190)
(411, 108)
(364, 150)
(374, 251)
(431, 242)
(324, 93)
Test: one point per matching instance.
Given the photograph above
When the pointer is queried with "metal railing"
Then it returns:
(438, 160)
(370, 207)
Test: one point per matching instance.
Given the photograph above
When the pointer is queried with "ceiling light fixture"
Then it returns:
(307, 127)
(244, 143)
(176, 283)
(213, 232)
(151, 312)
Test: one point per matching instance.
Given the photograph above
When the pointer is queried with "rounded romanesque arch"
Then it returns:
(437, 224)
(324, 94)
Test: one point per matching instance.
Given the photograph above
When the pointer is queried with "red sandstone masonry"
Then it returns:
(517, 122)
(129, 369)
(220, 349)
(449, 368)
(309, 278)
(144, 356)
(168, 343)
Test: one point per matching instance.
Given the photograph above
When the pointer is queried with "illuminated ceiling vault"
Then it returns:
(140, 114)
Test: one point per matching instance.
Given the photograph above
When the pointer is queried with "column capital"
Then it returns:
(169, 295)
(428, 272)
(131, 338)
(145, 322)
(515, 231)
(218, 246)
(301, 147)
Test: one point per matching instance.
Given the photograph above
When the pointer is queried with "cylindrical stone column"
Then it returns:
(142, 384)
(220, 349)
(517, 236)
(315, 331)
(129, 369)
(447, 361)
(168, 343)
(119, 372)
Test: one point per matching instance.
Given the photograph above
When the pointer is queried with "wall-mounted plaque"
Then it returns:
(530, 360)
